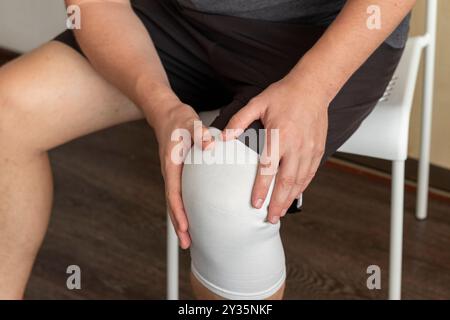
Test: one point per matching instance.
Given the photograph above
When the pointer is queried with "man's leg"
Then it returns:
(235, 253)
(202, 293)
(47, 97)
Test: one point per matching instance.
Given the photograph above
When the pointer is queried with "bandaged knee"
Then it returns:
(235, 253)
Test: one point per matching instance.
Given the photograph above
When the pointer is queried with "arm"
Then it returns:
(348, 42)
(119, 48)
(297, 104)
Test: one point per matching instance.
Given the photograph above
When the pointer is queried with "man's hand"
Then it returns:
(299, 112)
(176, 116)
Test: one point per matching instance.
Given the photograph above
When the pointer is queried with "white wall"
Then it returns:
(25, 24)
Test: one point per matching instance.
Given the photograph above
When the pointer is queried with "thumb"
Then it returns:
(242, 120)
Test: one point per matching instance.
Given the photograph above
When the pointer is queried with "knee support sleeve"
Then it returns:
(235, 252)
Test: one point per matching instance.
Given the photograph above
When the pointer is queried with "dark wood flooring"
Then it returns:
(109, 218)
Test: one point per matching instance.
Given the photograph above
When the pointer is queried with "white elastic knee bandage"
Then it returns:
(235, 252)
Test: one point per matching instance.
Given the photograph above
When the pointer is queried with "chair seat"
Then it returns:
(384, 133)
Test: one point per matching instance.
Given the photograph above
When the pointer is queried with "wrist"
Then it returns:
(310, 75)
(156, 99)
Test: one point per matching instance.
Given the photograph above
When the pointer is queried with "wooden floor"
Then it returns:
(109, 219)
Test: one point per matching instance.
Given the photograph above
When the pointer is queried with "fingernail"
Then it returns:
(283, 213)
(258, 203)
(275, 219)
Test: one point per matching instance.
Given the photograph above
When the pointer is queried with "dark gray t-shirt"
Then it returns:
(312, 12)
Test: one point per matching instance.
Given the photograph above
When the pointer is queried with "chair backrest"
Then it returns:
(431, 24)
(429, 43)
(398, 99)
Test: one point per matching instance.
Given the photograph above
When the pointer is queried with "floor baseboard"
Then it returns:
(439, 177)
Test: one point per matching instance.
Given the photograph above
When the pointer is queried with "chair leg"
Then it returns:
(427, 110)
(172, 261)
(422, 189)
(424, 160)
(396, 238)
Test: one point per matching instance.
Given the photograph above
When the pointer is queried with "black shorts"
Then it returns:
(215, 61)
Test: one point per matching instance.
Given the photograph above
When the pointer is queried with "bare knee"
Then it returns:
(19, 129)
(53, 95)
(28, 91)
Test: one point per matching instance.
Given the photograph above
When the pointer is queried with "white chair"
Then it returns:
(383, 135)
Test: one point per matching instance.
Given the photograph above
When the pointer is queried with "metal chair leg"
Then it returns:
(396, 238)
(172, 261)
(427, 109)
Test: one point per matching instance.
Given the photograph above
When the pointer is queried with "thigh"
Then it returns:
(52, 95)
(359, 96)
(253, 54)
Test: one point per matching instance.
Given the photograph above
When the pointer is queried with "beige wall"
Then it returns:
(25, 24)
(440, 145)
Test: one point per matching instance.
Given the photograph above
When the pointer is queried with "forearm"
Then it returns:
(120, 49)
(347, 44)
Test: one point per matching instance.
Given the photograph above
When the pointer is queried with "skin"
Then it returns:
(35, 120)
(201, 293)
(109, 90)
